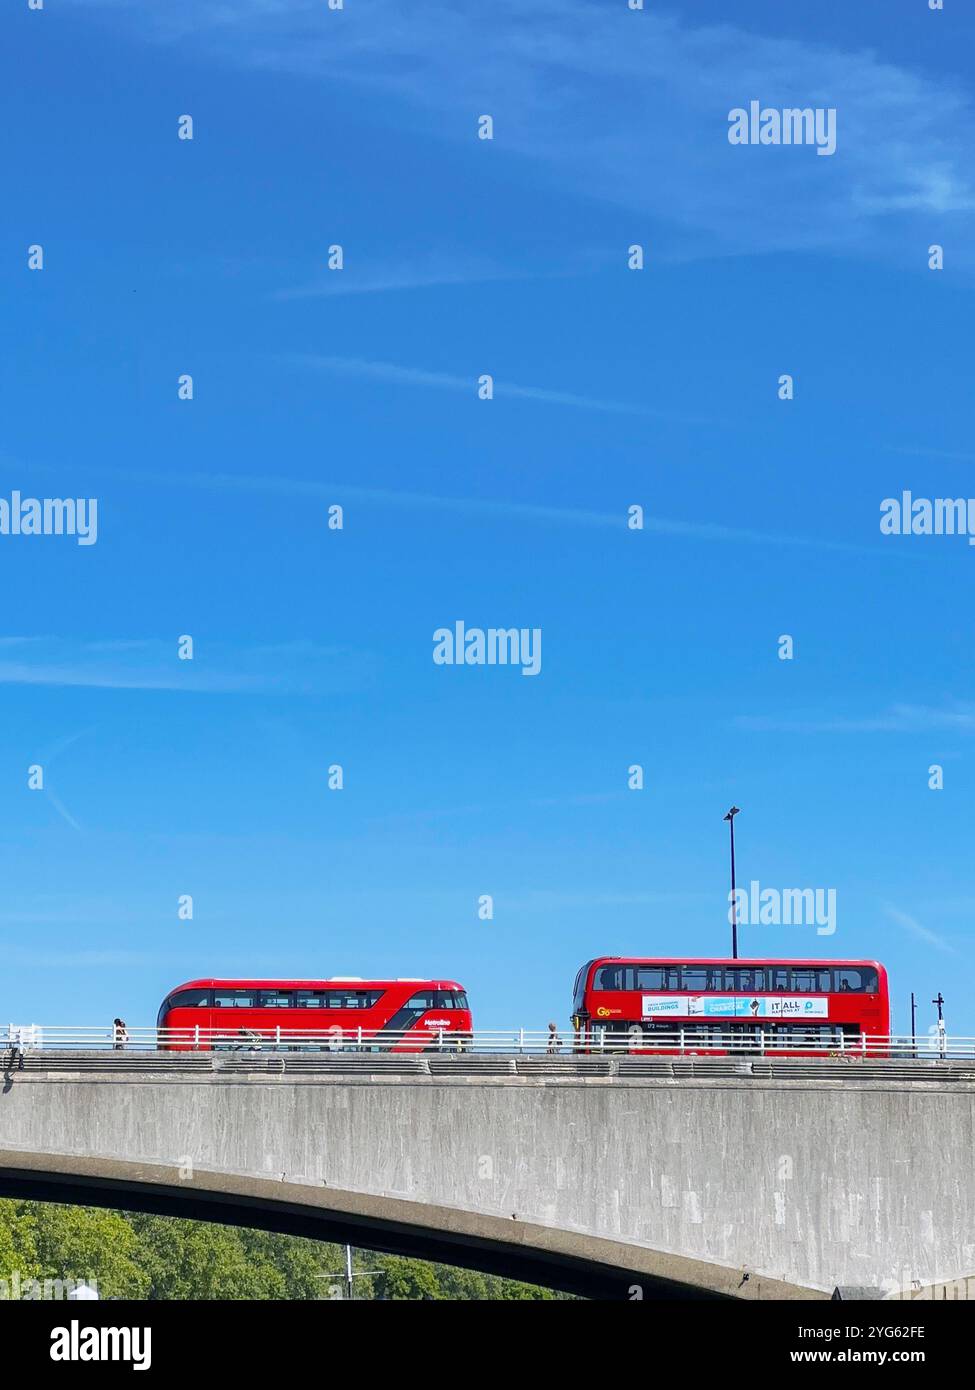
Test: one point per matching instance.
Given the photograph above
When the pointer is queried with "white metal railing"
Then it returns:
(22, 1039)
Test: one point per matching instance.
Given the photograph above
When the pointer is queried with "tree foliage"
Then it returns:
(18, 1251)
(88, 1245)
(133, 1255)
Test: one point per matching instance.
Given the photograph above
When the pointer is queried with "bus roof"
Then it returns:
(212, 981)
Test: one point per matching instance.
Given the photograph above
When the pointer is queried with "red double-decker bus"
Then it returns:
(387, 1015)
(779, 1007)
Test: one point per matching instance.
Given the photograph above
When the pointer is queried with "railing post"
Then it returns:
(358, 1038)
(440, 1040)
(277, 1036)
(761, 1041)
(196, 1038)
(682, 1040)
(521, 1039)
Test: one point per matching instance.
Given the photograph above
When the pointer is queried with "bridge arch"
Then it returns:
(577, 1264)
(735, 1185)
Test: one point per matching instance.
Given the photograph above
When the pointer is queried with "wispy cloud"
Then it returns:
(959, 717)
(912, 925)
(483, 508)
(284, 668)
(417, 376)
(61, 809)
(632, 107)
(51, 754)
(432, 271)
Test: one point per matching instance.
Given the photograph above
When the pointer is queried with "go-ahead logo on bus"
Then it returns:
(733, 1006)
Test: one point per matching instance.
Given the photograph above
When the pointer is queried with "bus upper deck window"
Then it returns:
(422, 1001)
(233, 999)
(190, 999)
(649, 977)
(275, 999)
(609, 977)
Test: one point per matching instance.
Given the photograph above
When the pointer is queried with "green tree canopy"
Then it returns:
(133, 1255)
(18, 1250)
(87, 1244)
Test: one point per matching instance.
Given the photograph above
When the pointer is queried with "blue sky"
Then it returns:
(613, 388)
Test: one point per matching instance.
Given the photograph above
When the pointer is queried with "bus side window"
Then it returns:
(275, 999)
(649, 977)
(233, 999)
(695, 978)
(608, 977)
(309, 999)
(189, 999)
(422, 1002)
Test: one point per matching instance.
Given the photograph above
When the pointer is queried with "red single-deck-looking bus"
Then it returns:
(388, 1015)
(780, 1007)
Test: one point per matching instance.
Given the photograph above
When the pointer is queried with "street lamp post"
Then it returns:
(941, 1023)
(349, 1275)
(730, 818)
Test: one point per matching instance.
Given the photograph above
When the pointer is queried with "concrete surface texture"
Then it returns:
(745, 1187)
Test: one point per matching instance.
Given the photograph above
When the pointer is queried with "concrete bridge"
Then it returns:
(627, 1177)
